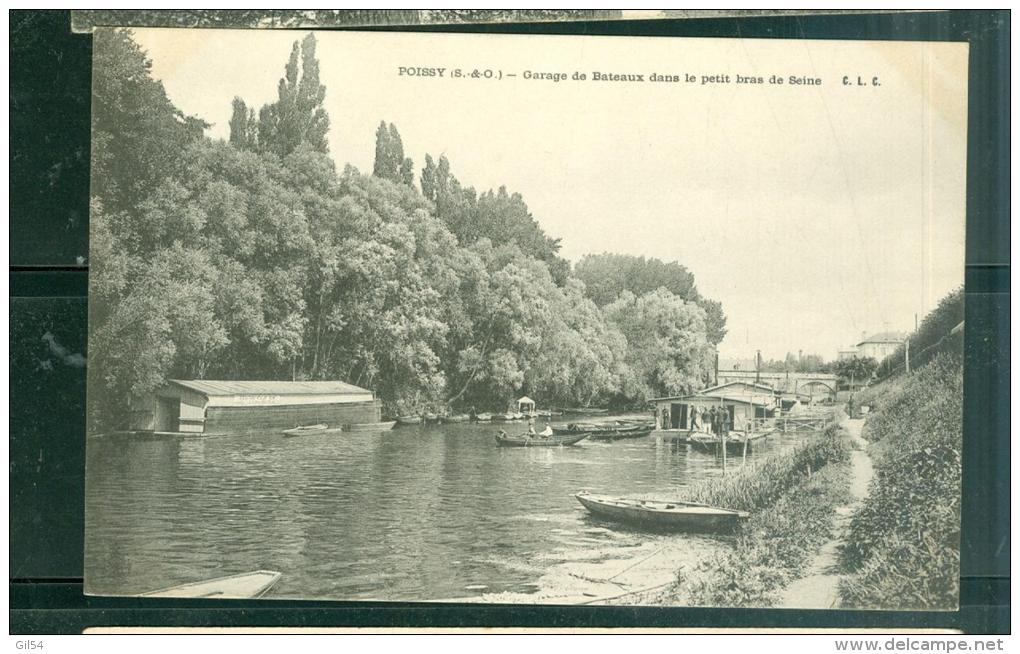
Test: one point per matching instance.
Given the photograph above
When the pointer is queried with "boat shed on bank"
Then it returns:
(744, 401)
(209, 407)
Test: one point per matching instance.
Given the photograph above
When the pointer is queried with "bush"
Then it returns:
(903, 544)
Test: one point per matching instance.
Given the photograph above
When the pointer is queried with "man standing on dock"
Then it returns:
(713, 421)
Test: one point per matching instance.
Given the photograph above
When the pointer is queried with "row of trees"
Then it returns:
(254, 258)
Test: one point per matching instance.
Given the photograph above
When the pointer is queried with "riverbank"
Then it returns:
(903, 545)
(794, 518)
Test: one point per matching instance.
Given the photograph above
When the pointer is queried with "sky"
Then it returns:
(814, 213)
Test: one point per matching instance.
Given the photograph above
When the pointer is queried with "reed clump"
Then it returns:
(903, 546)
(793, 517)
(763, 482)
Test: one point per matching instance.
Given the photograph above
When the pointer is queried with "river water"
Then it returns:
(416, 513)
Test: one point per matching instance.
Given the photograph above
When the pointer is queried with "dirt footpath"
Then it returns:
(820, 588)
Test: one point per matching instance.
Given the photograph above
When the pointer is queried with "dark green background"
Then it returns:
(50, 72)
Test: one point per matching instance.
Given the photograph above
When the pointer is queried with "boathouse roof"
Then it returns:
(717, 397)
(215, 388)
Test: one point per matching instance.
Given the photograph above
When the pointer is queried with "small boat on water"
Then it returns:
(735, 441)
(619, 434)
(408, 420)
(371, 426)
(457, 417)
(506, 417)
(483, 417)
(241, 586)
(306, 430)
(661, 514)
(605, 432)
(581, 409)
(526, 440)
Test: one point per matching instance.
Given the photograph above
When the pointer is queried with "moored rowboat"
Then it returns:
(619, 434)
(735, 441)
(247, 585)
(661, 514)
(524, 440)
(409, 420)
(305, 430)
(371, 426)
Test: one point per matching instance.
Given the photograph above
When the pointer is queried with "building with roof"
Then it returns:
(879, 346)
(847, 353)
(235, 407)
(745, 402)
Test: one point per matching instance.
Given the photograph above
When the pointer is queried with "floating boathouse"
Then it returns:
(210, 407)
(745, 402)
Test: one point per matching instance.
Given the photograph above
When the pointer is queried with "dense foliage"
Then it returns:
(935, 334)
(254, 258)
(857, 370)
(608, 276)
(904, 544)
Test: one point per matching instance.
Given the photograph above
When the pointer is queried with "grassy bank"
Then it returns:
(793, 496)
(903, 549)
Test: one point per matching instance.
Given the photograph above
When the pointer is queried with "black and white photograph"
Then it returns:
(526, 319)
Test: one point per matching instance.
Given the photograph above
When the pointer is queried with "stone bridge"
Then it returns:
(814, 384)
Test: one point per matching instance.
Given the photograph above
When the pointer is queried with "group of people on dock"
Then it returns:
(714, 420)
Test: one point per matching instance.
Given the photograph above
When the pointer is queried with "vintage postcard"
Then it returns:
(526, 319)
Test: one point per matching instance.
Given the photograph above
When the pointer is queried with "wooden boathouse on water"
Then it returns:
(746, 402)
(208, 407)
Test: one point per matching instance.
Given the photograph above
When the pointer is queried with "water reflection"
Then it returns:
(413, 513)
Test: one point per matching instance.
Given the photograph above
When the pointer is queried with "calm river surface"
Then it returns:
(408, 514)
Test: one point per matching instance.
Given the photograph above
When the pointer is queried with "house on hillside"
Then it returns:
(879, 346)
(207, 407)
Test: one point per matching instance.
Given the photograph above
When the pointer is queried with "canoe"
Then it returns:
(580, 409)
(371, 426)
(306, 430)
(431, 418)
(605, 432)
(523, 440)
(576, 428)
(409, 420)
(502, 417)
(619, 434)
(661, 514)
(242, 586)
(483, 417)
(459, 417)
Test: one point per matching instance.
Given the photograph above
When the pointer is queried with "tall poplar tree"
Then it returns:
(298, 116)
